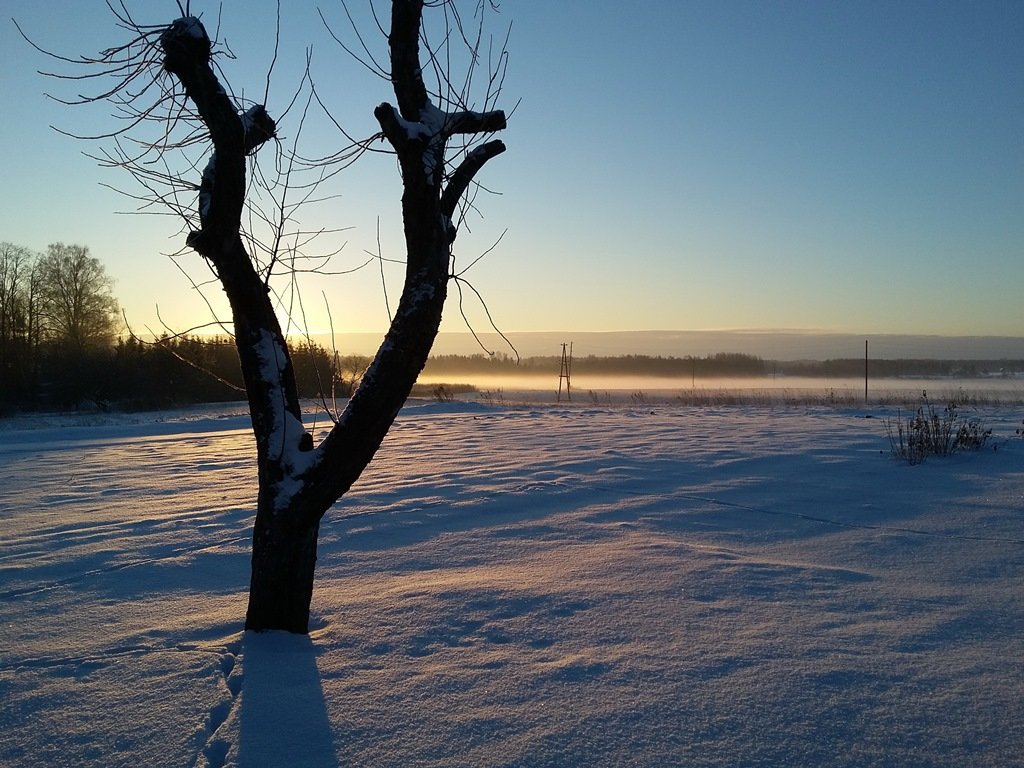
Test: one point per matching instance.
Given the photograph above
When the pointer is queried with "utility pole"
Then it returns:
(865, 371)
(565, 372)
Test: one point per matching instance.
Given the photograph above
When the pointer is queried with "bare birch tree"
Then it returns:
(76, 297)
(299, 480)
(15, 340)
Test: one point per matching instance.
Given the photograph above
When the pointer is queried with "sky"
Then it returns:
(853, 167)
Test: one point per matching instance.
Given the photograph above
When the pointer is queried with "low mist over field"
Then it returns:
(772, 345)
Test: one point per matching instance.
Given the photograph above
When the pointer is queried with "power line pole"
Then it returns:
(565, 372)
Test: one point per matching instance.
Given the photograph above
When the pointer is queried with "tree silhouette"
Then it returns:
(76, 299)
(298, 480)
(16, 265)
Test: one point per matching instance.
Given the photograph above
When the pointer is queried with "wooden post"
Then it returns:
(865, 371)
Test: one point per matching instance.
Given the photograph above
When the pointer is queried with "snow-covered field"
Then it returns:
(521, 586)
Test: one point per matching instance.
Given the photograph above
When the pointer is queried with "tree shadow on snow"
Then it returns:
(283, 718)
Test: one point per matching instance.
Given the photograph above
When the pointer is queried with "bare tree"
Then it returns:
(15, 264)
(62, 299)
(76, 299)
(298, 480)
(15, 272)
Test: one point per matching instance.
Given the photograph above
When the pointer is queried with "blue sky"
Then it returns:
(843, 166)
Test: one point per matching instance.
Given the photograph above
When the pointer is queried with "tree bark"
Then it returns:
(283, 564)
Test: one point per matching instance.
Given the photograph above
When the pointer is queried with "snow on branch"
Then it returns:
(399, 131)
(185, 43)
(187, 51)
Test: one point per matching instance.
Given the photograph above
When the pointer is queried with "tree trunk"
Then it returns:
(283, 561)
(298, 481)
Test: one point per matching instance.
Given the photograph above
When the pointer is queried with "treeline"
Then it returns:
(61, 345)
(182, 370)
(724, 364)
(170, 371)
(57, 313)
(60, 348)
(884, 369)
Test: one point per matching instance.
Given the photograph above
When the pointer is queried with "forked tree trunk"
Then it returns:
(297, 481)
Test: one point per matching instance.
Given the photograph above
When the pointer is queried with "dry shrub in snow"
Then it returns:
(929, 432)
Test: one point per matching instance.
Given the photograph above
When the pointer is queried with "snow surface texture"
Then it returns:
(517, 586)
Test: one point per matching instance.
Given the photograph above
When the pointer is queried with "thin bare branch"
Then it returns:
(273, 60)
(383, 281)
(459, 282)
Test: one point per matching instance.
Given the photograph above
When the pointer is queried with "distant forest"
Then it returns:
(60, 349)
(723, 365)
(61, 345)
(168, 372)
(175, 371)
